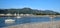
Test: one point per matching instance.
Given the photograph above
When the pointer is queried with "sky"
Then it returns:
(35, 4)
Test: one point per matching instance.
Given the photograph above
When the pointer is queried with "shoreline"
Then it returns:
(31, 16)
(37, 25)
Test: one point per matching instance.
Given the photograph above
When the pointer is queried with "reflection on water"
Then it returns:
(24, 20)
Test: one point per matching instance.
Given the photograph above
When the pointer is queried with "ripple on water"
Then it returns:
(24, 20)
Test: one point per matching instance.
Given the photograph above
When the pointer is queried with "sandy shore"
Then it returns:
(55, 24)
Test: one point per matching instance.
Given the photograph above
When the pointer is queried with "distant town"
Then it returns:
(26, 12)
(16, 14)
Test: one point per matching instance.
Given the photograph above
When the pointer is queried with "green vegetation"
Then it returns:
(28, 11)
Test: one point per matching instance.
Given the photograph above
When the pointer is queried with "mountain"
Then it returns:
(28, 11)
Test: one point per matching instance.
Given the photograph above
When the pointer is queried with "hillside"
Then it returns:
(28, 11)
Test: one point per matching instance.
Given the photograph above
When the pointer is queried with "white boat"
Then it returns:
(9, 20)
(52, 16)
(15, 14)
(18, 16)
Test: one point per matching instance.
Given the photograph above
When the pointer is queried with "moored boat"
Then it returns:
(9, 20)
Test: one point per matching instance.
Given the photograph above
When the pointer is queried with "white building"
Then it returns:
(2, 14)
(9, 14)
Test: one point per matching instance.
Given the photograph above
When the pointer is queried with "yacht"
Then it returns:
(9, 20)
(52, 16)
(15, 14)
(18, 16)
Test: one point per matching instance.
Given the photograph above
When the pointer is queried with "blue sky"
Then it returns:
(35, 4)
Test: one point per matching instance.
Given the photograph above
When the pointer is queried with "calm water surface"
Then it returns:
(24, 20)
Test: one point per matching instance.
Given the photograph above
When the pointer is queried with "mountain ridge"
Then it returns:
(28, 11)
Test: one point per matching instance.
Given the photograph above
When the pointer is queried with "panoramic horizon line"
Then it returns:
(33, 8)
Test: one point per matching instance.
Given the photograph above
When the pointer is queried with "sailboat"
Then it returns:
(18, 16)
(52, 16)
(15, 14)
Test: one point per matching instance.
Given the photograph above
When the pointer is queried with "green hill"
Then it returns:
(28, 11)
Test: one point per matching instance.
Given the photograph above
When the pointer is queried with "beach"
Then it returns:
(49, 24)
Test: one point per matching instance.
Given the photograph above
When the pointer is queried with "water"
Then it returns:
(24, 20)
